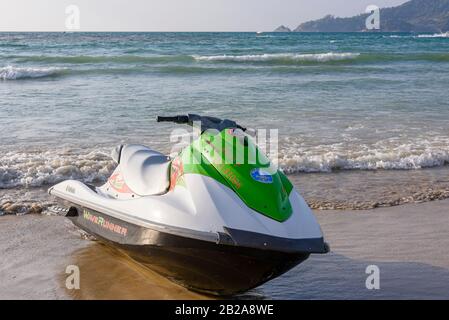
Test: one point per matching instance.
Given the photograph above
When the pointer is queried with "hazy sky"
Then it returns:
(175, 15)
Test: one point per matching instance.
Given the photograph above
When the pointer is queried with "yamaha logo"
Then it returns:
(70, 189)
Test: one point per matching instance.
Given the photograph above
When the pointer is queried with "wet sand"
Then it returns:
(36, 250)
(409, 243)
(366, 189)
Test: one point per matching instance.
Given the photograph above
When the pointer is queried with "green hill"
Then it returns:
(412, 16)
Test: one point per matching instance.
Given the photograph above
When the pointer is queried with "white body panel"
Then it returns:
(204, 205)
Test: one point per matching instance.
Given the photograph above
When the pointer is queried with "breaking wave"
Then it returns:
(200, 64)
(34, 169)
(397, 158)
(410, 36)
(435, 35)
(16, 73)
(281, 57)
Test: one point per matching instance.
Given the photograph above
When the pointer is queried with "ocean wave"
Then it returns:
(281, 57)
(435, 35)
(16, 73)
(43, 168)
(397, 158)
(323, 58)
(36, 73)
(49, 66)
(168, 69)
(158, 59)
(34, 169)
(395, 36)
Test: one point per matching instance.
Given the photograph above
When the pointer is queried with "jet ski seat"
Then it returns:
(145, 171)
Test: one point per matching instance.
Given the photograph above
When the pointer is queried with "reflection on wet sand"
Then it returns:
(106, 273)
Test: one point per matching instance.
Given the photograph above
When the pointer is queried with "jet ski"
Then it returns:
(201, 218)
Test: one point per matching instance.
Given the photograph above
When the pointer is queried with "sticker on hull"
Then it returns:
(261, 175)
(118, 183)
(106, 224)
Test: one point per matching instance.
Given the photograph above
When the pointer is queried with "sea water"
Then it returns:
(356, 112)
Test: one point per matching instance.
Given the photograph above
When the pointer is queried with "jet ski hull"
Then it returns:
(218, 268)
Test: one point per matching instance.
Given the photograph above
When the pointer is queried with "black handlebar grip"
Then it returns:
(176, 119)
(164, 119)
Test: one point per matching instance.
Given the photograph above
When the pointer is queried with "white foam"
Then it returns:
(311, 57)
(435, 35)
(33, 169)
(44, 168)
(355, 127)
(15, 73)
(363, 157)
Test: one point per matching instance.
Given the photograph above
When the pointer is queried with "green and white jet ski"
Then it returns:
(210, 224)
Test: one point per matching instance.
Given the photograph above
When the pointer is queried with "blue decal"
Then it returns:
(261, 175)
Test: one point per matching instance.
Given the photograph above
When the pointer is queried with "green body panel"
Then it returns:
(194, 162)
(231, 157)
(285, 182)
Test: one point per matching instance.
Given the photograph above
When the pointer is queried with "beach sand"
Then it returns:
(409, 244)
(36, 250)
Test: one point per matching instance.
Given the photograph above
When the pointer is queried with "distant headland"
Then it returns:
(412, 16)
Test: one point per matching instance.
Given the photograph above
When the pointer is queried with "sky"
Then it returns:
(173, 15)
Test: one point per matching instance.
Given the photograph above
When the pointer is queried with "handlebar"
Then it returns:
(206, 122)
(175, 119)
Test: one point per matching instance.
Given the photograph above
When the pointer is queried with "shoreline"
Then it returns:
(408, 242)
(423, 197)
(9, 207)
(344, 190)
(30, 207)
